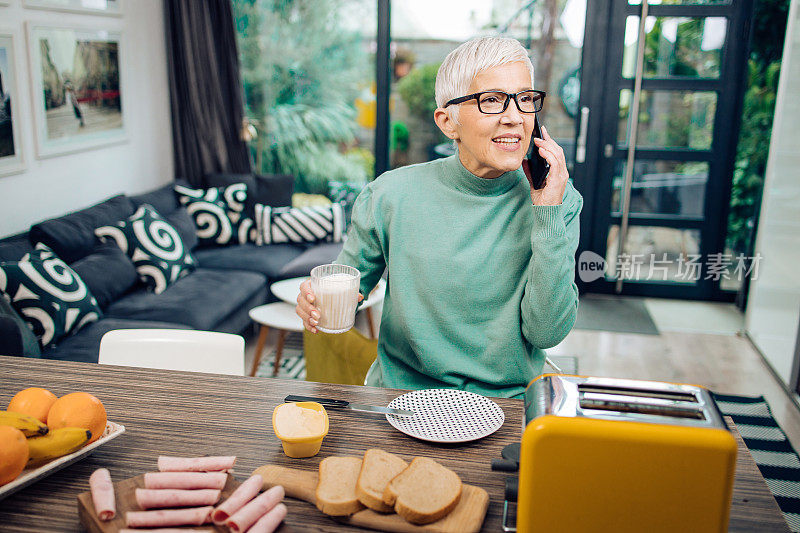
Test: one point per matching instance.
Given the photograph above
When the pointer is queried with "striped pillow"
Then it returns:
(311, 224)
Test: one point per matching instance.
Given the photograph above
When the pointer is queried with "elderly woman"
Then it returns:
(481, 266)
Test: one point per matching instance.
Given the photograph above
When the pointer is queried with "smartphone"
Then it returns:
(538, 165)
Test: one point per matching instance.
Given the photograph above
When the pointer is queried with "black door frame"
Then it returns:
(602, 68)
(383, 83)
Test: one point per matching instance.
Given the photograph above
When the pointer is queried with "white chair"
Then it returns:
(174, 349)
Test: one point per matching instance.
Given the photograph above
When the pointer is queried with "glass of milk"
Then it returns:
(336, 296)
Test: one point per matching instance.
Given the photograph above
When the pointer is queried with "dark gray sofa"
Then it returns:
(216, 296)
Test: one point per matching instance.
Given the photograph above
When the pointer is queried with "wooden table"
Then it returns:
(182, 413)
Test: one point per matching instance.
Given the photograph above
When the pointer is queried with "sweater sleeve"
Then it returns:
(550, 301)
(364, 247)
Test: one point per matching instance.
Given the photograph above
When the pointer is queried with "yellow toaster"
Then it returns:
(601, 454)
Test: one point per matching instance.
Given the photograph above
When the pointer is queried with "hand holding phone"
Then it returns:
(538, 167)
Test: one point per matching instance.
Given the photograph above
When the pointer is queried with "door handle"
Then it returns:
(580, 150)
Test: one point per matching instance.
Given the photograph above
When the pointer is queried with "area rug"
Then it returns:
(292, 365)
(617, 314)
(771, 450)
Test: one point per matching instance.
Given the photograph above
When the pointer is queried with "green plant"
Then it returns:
(364, 158)
(417, 90)
(399, 139)
(763, 69)
(752, 152)
(299, 80)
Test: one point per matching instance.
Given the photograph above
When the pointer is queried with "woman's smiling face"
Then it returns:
(490, 145)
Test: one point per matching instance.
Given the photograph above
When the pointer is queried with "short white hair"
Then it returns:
(460, 67)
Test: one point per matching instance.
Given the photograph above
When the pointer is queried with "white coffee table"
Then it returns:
(288, 289)
(283, 317)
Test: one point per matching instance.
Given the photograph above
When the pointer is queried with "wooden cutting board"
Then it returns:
(124, 491)
(467, 517)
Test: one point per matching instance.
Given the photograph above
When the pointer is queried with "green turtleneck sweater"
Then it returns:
(480, 280)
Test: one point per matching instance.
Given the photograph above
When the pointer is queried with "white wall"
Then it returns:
(773, 306)
(53, 186)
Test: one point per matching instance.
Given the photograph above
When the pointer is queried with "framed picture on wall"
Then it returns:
(99, 7)
(76, 79)
(11, 159)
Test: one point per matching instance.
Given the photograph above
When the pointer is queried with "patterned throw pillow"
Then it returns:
(218, 213)
(345, 193)
(48, 294)
(154, 246)
(311, 224)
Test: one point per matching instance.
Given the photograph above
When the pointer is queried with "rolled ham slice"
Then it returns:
(103, 494)
(196, 464)
(159, 498)
(168, 517)
(255, 509)
(270, 521)
(185, 480)
(243, 494)
(166, 530)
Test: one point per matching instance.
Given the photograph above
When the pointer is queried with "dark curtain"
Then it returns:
(205, 90)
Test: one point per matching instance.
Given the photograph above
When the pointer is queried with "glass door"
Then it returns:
(662, 100)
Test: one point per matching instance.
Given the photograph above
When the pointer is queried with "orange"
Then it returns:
(13, 453)
(33, 402)
(78, 409)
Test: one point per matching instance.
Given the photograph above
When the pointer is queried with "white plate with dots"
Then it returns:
(446, 415)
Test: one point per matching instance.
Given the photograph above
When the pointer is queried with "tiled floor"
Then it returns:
(698, 343)
(695, 317)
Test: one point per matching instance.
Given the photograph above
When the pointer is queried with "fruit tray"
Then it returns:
(32, 475)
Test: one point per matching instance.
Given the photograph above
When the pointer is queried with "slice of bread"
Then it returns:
(424, 492)
(336, 491)
(377, 470)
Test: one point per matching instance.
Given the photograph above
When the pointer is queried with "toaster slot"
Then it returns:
(646, 406)
(677, 396)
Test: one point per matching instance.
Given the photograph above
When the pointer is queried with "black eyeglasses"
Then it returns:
(496, 102)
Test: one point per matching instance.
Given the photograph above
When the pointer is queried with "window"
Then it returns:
(308, 70)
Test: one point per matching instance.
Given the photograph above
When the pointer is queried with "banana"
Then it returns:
(56, 443)
(27, 424)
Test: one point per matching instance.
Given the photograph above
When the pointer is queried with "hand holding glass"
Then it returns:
(335, 289)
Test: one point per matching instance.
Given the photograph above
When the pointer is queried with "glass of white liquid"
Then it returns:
(336, 296)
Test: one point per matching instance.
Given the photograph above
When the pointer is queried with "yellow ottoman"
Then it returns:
(338, 358)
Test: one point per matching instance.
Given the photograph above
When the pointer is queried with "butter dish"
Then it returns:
(300, 426)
